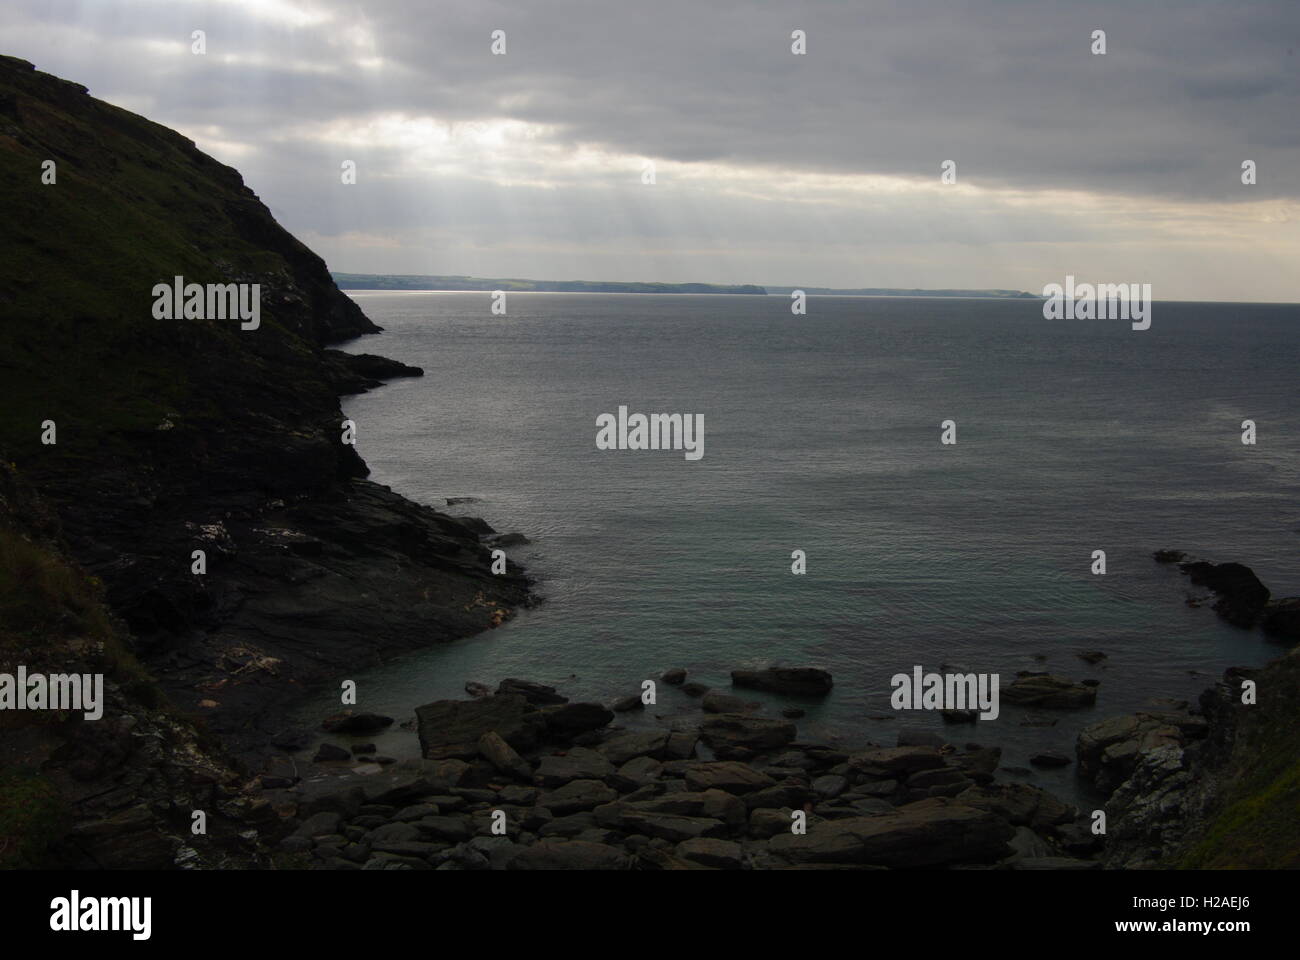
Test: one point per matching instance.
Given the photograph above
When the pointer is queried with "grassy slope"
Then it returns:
(135, 204)
(1257, 825)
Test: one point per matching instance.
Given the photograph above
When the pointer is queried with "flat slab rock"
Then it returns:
(453, 728)
(923, 834)
(797, 681)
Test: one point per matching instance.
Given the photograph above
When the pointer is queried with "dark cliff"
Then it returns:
(193, 434)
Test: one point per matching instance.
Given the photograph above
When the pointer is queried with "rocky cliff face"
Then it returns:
(177, 435)
(1214, 787)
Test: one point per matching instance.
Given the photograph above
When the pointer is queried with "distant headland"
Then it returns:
(389, 281)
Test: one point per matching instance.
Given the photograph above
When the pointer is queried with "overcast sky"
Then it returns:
(770, 167)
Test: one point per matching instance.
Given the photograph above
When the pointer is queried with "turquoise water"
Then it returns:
(822, 434)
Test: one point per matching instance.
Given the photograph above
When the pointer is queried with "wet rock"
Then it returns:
(573, 719)
(475, 689)
(1242, 597)
(788, 793)
(538, 694)
(570, 855)
(888, 762)
(959, 716)
(623, 747)
(577, 796)
(724, 775)
(1091, 656)
(923, 834)
(1109, 751)
(711, 852)
(579, 763)
(637, 772)
(716, 702)
(680, 746)
(674, 677)
(453, 728)
(502, 756)
(628, 704)
(1282, 618)
(1019, 804)
(792, 713)
(694, 689)
(829, 786)
(329, 753)
(797, 681)
(738, 736)
(1048, 691)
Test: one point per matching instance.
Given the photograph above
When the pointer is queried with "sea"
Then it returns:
(823, 434)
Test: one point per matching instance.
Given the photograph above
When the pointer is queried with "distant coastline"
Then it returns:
(423, 282)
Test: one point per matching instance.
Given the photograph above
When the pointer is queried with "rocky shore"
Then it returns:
(566, 788)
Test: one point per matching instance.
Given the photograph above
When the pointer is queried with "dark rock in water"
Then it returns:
(1037, 690)
(455, 501)
(537, 694)
(1282, 618)
(363, 748)
(453, 728)
(571, 719)
(1169, 556)
(793, 713)
(694, 689)
(628, 704)
(476, 689)
(884, 762)
(716, 702)
(328, 752)
(356, 723)
(1091, 656)
(1242, 597)
(510, 540)
(959, 716)
(798, 681)
(1050, 759)
(675, 677)
(732, 735)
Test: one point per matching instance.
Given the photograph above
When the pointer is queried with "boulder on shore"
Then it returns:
(453, 728)
(740, 736)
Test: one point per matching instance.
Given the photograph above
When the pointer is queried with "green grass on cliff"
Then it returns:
(134, 204)
(1258, 824)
